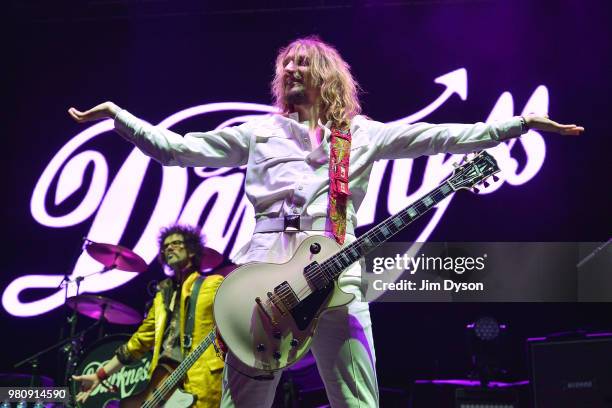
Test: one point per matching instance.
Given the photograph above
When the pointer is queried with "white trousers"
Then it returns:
(343, 346)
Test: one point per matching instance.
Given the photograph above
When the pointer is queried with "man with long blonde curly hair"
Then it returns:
(335, 91)
(288, 172)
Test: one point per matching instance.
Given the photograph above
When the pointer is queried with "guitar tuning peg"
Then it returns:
(495, 178)
(485, 184)
(455, 165)
(476, 190)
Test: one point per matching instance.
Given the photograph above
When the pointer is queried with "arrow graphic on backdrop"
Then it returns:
(455, 82)
(111, 205)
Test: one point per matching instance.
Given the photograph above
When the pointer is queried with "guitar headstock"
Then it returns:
(475, 170)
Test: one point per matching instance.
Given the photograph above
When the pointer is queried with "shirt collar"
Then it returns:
(295, 116)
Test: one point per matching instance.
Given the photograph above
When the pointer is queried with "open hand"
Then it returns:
(101, 111)
(89, 383)
(547, 125)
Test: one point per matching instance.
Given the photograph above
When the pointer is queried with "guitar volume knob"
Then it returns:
(261, 347)
(276, 355)
(315, 248)
(294, 342)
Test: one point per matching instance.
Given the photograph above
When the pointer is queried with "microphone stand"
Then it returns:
(73, 348)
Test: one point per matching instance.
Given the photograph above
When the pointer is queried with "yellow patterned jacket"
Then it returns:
(204, 378)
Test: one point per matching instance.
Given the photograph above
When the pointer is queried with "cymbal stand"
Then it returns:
(102, 322)
(69, 344)
(73, 345)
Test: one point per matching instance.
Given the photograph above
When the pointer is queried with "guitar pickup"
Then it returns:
(286, 295)
(316, 277)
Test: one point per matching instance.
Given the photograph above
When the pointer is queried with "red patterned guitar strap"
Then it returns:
(339, 154)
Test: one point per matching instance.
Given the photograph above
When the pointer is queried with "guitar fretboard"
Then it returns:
(159, 394)
(331, 268)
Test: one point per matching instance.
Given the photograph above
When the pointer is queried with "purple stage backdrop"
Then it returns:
(198, 67)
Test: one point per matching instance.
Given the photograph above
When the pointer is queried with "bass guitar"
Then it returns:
(163, 390)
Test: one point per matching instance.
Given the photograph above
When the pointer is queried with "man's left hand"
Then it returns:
(547, 125)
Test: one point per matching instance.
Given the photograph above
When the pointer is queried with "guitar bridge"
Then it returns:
(263, 309)
(275, 301)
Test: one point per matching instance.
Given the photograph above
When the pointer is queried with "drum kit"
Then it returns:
(104, 311)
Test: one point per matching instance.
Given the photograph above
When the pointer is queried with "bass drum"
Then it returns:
(129, 380)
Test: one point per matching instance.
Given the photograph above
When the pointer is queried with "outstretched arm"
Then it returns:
(227, 147)
(139, 343)
(395, 141)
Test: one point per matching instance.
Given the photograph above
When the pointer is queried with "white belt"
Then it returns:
(296, 223)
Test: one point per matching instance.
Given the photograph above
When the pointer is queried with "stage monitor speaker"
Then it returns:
(571, 373)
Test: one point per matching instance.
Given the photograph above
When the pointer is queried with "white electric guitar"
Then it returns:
(267, 313)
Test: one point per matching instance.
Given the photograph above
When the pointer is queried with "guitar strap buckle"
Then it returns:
(292, 222)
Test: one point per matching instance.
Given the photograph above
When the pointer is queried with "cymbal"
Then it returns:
(114, 311)
(116, 256)
(210, 259)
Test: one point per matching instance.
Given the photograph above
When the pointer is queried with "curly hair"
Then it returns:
(329, 72)
(194, 242)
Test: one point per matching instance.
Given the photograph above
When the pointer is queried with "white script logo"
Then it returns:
(110, 199)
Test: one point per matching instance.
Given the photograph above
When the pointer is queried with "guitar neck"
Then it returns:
(365, 244)
(160, 393)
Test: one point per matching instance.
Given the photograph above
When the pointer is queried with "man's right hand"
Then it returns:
(101, 111)
(89, 382)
